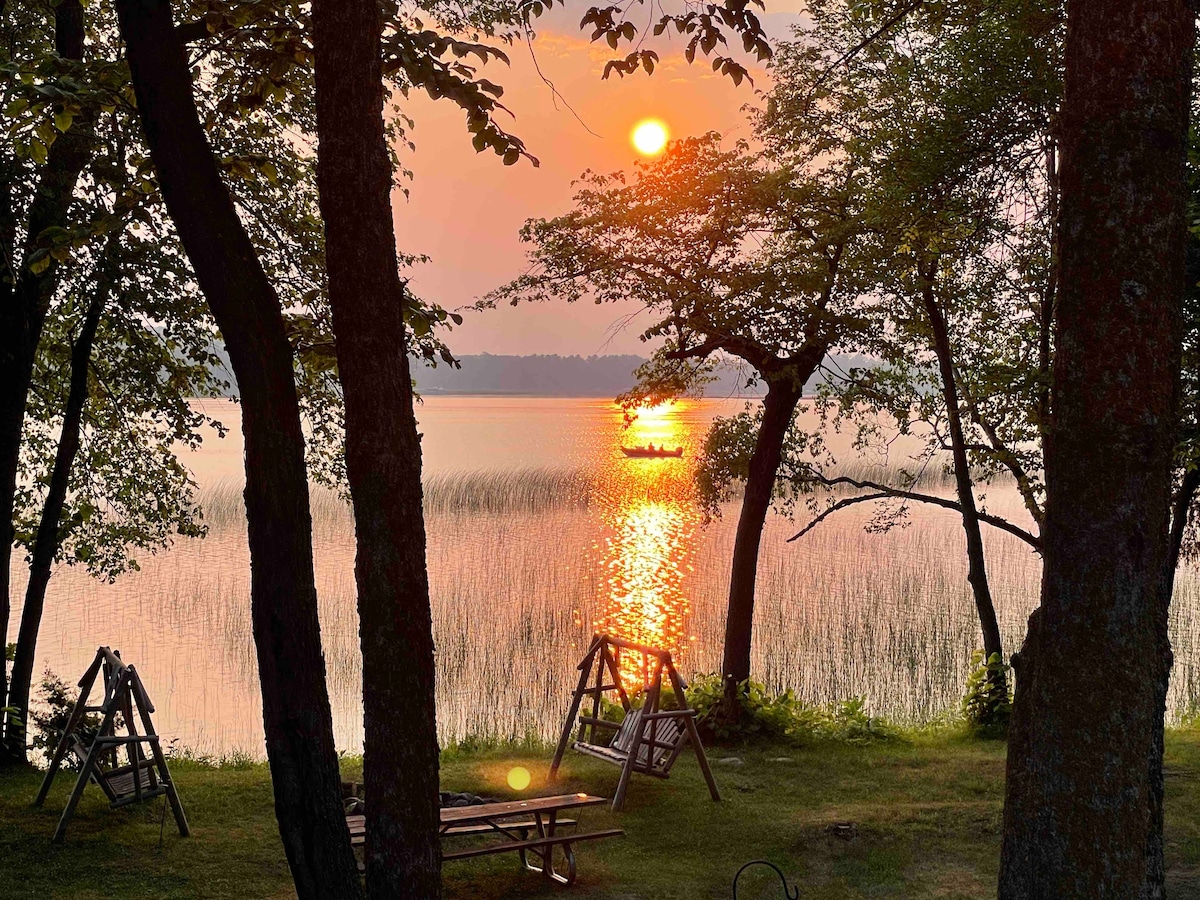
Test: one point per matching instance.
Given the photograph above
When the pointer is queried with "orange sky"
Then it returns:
(465, 209)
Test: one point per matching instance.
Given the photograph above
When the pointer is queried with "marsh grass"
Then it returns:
(516, 562)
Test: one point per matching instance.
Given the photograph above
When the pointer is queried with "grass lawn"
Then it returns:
(926, 813)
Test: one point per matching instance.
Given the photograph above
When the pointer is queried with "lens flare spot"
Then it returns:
(519, 778)
(650, 137)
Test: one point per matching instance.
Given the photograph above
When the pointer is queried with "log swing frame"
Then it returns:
(144, 776)
(650, 738)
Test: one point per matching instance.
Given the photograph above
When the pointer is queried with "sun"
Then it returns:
(649, 137)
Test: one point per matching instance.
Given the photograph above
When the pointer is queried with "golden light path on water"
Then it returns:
(650, 518)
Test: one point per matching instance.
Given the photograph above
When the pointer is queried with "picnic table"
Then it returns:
(515, 822)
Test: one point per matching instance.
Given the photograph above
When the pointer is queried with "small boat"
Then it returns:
(652, 452)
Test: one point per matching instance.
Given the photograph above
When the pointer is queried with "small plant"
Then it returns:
(50, 718)
(528, 741)
(852, 723)
(987, 701)
(781, 718)
(232, 759)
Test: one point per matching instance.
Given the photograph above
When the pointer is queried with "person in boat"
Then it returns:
(651, 448)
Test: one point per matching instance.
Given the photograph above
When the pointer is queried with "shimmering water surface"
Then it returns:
(540, 532)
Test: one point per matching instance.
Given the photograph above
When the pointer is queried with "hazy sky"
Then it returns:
(465, 209)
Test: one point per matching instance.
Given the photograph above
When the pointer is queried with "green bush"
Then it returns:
(50, 715)
(987, 701)
(782, 717)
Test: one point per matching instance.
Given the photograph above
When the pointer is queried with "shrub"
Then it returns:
(987, 701)
(50, 715)
(782, 717)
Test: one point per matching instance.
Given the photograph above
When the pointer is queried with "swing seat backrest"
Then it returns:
(661, 741)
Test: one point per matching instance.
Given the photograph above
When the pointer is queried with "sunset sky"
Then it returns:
(466, 209)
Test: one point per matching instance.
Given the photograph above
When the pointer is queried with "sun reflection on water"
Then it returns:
(650, 521)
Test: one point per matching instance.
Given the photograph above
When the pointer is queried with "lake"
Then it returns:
(541, 532)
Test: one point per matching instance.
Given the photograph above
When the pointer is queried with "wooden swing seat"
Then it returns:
(667, 742)
(649, 739)
(117, 784)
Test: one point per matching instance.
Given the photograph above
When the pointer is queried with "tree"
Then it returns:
(1083, 809)
(383, 454)
(731, 255)
(296, 715)
(383, 459)
(106, 419)
(154, 343)
(950, 111)
(28, 270)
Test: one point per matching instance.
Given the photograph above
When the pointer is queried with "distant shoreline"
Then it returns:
(487, 375)
(538, 395)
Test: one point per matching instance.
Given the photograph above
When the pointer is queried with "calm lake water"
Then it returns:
(540, 532)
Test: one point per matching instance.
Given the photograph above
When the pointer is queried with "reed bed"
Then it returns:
(517, 565)
(510, 490)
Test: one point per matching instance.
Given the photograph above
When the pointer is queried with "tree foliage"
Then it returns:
(950, 111)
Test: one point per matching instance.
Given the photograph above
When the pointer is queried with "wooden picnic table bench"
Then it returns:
(515, 821)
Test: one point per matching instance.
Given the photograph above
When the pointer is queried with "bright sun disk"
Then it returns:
(650, 137)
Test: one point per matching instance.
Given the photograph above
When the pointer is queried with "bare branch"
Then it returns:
(886, 491)
(841, 504)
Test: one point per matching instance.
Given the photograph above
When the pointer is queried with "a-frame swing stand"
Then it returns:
(650, 738)
(144, 775)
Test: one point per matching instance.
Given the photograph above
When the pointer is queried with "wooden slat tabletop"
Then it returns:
(459, 814)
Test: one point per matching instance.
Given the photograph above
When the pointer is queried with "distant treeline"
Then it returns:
(562, 376)
(542, 376)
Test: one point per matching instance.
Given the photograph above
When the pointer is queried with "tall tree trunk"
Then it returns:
(46, 543)
(24, 301)
(1083, 812)
(296, 717)
(784, 390)
(383, 454)
(964, 487)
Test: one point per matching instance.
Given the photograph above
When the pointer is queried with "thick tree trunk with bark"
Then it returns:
(383, 454)
(296, 716)
(964, 487)
(46, 543)
(24, 301)
(1083, 811)
(785, 387)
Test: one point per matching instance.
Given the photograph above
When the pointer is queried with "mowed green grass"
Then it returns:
(926, 814)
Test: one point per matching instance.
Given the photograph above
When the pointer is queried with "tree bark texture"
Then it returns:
(785, 387)
(296, 715)
(1083, 811)
(46, 543)
(964, 487)
(383, 454)
(24, 301)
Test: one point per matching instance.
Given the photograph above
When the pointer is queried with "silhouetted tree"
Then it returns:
(296, 715)
(1083, 799)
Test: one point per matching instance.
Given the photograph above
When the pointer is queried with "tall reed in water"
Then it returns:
(517, 568)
